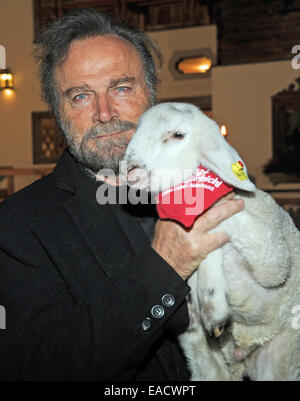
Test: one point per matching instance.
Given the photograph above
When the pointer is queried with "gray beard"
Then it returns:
(93, 153)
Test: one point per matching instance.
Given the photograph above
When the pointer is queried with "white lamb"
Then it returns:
(254, 280)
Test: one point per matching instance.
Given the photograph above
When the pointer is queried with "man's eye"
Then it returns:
(123, 89)
(80, 97)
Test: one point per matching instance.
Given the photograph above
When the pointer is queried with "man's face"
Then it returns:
(102, 92)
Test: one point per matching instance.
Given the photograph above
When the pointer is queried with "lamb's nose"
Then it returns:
(132, 174)
(137, 177)
(131, 168)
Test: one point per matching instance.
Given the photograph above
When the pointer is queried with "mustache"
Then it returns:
(110, 128)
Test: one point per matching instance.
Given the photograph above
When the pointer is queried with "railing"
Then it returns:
(10, 173)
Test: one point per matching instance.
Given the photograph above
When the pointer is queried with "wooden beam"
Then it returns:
(12, 172)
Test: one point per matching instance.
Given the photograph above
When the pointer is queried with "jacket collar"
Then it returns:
(69, 175)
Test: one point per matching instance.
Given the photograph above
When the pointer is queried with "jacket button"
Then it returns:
(146, 324)
(168, 300)
(157, 311)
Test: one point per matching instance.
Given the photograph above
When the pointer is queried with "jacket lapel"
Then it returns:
(98, 225)
(102, 233)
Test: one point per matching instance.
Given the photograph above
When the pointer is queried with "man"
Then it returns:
(86, 295)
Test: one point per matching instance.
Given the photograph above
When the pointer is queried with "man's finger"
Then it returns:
(215, 215)
(227, 197)
(214, 241)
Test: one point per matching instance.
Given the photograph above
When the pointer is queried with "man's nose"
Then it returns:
(105, 110)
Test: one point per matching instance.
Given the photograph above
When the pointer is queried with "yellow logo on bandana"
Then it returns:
(238, 171)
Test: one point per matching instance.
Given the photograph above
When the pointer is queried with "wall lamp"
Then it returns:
(6, 80)
(192, 64)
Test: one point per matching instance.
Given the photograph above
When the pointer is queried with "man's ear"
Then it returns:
(218, 156)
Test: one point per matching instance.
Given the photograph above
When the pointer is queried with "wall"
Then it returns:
(242, 100)
(184, 39)
(16, 34)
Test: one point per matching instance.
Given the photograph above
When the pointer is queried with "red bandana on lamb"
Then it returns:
(186, 201)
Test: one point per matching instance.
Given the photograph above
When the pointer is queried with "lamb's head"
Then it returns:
(162, 149)
(171, 141)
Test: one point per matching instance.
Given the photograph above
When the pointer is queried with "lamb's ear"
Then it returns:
(218, 156)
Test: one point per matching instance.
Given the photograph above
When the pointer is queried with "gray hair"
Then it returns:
(53, 44)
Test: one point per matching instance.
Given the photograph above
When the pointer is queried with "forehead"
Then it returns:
(167, 116)
(102, 56)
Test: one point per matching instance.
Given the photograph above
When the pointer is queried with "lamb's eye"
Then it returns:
(178, 135)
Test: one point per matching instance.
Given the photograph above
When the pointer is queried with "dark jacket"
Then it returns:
(78, 281)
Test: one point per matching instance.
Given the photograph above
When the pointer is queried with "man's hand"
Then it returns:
(184, 249)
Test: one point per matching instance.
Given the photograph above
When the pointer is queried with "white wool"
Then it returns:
(254, 280)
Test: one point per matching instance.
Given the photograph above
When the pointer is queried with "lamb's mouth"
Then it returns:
(131, 168)
(137, 177)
